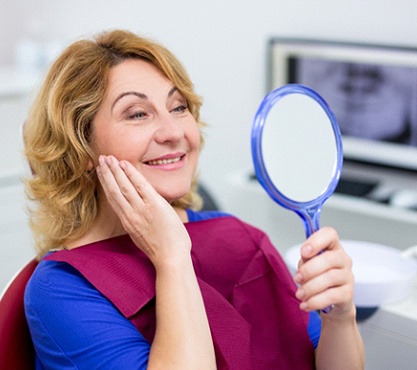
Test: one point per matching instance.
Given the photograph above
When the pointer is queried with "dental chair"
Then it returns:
(16, 348)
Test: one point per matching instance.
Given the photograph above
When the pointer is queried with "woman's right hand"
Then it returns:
(182, 338)
(147, 217)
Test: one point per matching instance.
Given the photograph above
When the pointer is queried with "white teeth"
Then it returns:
(164, 161)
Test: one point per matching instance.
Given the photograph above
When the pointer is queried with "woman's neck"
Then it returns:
(108, 225)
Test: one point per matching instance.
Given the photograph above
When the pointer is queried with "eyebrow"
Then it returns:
(140, 95)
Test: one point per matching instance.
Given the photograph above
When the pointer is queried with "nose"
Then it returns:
(169, 129)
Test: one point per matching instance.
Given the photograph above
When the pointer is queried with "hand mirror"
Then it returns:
(297, 151)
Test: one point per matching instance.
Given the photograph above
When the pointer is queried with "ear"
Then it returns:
(90, 165)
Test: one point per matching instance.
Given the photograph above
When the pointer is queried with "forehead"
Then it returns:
(136, 75)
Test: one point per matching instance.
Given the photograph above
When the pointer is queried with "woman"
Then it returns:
(130, 276)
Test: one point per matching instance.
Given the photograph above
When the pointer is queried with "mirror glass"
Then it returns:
(298, 147)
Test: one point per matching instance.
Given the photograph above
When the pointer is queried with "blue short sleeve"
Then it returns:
(314, 328)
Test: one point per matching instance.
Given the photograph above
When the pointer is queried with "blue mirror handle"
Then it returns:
(311, 219)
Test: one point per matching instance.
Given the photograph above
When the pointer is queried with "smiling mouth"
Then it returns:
(159, 162)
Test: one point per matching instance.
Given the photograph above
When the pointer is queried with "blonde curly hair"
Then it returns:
(58, 130)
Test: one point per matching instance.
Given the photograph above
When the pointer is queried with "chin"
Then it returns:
(172, 188)
(171, 196)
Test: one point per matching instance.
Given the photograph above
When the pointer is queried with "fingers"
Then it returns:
(122, 182)
(334, 286)
(126, 190)
(114, 183)
(324, 273)
(140, 184)
(325, 239)
(323, 262)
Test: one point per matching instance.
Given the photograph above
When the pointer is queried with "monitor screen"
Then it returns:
(371, 89)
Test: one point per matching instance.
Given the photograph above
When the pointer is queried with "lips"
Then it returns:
(158, 162)
(165, 160)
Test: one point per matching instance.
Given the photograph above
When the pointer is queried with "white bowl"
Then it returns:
(382, 274)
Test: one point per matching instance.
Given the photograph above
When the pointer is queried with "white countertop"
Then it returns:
(407, 307)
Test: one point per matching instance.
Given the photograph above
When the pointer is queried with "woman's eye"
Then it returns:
(138, 115)
(180, 109)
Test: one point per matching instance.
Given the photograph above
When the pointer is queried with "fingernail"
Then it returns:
(122, 165)
(298, 277)
(300, 294)
(304, 306)
(101, 159)
(307, 249)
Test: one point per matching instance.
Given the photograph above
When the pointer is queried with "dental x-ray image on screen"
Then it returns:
(371, 101)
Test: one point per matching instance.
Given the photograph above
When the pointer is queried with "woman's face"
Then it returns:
(144, 119)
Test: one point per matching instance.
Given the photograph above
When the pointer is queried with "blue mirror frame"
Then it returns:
(310, 210)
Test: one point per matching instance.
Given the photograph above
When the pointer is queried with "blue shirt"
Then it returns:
(93, 334)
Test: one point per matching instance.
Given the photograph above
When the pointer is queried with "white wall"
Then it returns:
(222, 44)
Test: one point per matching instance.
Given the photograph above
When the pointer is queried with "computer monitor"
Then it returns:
(372, 90)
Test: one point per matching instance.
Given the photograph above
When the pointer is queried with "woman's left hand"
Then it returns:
(325, 279)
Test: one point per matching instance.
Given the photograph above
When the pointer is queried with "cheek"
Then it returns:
(195, 138)
(119, 143)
